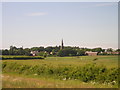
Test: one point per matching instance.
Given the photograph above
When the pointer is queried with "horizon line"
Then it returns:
(58, 46)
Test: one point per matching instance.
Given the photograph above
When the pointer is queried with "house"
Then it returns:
(90, 53)
(34, 53)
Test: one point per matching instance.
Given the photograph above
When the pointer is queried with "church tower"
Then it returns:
(62, 46)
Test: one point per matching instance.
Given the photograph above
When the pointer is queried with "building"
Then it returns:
(34, 53)
(90, 53)
(112, 52)
(62, 45)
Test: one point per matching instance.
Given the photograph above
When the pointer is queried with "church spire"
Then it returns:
(62, 45)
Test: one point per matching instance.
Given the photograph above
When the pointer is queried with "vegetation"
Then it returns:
(55, 51)
(96, 69)
(89, 72)
(22, 81)
(67, 52)
(20, 57)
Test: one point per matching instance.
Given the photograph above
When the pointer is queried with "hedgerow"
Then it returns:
(20, 57)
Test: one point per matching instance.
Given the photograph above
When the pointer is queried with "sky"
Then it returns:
(83, 24)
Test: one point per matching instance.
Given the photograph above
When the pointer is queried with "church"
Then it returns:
(89, 53)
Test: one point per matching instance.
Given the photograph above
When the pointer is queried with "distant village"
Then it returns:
(59, 51)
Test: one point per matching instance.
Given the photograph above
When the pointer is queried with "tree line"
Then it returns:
(54, 51)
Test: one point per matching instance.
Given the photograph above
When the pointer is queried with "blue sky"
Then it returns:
(80, 24)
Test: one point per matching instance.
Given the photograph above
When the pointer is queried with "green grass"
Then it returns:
(34, 70)
(108, 61)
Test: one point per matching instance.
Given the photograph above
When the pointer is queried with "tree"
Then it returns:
(27, 51)
(41, 53)
(48, 49)
(80, 52)
(5, 52)
(45, 55)
(0, 52)
(118, 50)
(34, 48)
(12, 50)
(21, 51)
(67, 52)
(16, 52)
(56, 48)
(109, 50)
(97, 50)
(53, 52)
(41, 49)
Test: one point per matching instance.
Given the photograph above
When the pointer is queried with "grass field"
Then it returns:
(56, 70)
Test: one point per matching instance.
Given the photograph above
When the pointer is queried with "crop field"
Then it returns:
(61, 72)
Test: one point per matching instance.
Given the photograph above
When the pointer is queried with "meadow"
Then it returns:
(61, 72)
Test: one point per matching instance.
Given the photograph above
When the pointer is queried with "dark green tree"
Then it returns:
(97, 50)
(12, 50)
(5, 52)
(118, 50)
(0, 52)
(49, 49)
(34, 49)
(27, 51)
(109, 50)
(80, 52)
(67, 52)
(41, 49)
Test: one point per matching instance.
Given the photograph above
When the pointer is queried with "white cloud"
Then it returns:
(37, 14)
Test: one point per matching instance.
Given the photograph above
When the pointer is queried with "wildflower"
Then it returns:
(64, 78)
(114, 81)
(35, 74)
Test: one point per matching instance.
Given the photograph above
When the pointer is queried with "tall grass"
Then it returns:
(13, 80)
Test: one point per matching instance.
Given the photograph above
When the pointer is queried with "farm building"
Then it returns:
(112, 52)
(90, 53)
